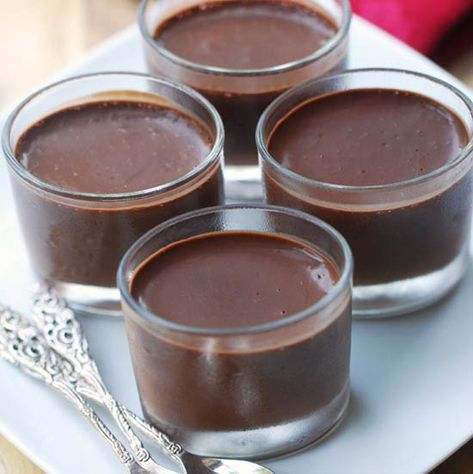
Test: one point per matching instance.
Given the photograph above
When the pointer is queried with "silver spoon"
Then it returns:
(63, 333)
(22, 345)
(33, 355)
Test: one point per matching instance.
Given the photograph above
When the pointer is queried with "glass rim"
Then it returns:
(29, 177)
(156, 320)
(466, 151)
(326, 49)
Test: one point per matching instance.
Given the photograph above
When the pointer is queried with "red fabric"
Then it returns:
(419, 23)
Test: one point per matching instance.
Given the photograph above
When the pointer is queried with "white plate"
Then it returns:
(412, 377)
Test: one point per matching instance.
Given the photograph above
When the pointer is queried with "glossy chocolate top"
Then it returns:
(245, 35)
(113, 147)
(232, 279)
(367, 137)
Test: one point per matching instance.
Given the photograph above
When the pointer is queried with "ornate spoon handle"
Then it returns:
(160, 439)
(63, 333)
(20, 345)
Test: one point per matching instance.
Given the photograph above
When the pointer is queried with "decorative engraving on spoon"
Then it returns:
(21, 345)
(63, 333)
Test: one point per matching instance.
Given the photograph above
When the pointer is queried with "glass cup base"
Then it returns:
(88, 299)
(243, 184)
(270, 441)
(412, 294)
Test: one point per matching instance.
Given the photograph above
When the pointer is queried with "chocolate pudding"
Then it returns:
(106, 148)
(113, 147)
(245, 35)
(236, 281)
(377, 137)
(239, 35)
(271, 277)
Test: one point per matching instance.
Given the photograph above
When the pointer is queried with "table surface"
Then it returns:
(63, 29)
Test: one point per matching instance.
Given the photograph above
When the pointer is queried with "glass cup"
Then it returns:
(246, 392)
(410, 240)
(241, 95)
(74, 239)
